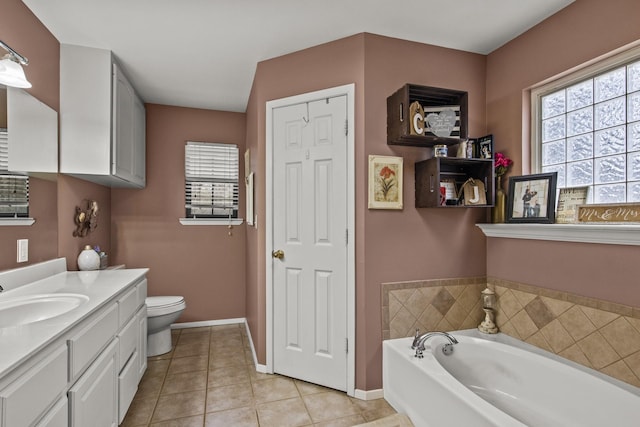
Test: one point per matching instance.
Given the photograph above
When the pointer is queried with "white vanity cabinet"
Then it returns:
(88, 375)
(102, 120)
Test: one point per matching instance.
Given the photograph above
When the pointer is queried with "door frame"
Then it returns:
(349, 91)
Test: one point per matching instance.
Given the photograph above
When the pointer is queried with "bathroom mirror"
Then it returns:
(33, 134)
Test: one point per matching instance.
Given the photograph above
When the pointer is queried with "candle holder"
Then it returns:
(488, 325)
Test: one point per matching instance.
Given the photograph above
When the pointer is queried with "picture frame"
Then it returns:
(385, 182)
(485, 147)
(531, 198)
(569, 199)
(448, 191)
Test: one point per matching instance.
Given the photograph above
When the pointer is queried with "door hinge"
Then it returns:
(346, 345)
(346, 127)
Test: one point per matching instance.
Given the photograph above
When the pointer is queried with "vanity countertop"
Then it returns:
(19, 343)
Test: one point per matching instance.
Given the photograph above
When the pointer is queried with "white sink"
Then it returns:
(35, 308)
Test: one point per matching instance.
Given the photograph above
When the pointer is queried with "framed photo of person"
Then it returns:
(531, 198)
(485, 147)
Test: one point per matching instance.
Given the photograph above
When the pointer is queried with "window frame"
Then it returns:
(601, 65)
(212, 219)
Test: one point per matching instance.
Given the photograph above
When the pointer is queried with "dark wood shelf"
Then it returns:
(399, 123)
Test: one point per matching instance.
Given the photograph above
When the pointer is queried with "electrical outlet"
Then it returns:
(23, 250)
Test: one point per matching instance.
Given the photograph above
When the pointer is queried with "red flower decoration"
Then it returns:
(386, 172)
(502, 163)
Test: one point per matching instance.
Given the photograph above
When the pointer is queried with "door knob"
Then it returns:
(278, 254)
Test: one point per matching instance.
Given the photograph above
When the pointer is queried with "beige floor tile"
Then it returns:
(308, 388)
(229, 397)
(349, 421)
(283, 413)
(236, 395)
(191, 349)
(185, 381)
(373, 409)
(277, 388)
(188, 364)
(228, 375)
(195, 421)
(239, 417)
(179, 405)
(217, 361)
(140, 411)
(329, 405)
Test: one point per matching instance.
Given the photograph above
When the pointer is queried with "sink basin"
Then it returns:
(35, 308)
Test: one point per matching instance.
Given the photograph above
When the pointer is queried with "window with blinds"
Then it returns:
(14, 188)
(211, 180)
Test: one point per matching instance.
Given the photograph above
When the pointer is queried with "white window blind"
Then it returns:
(14, 188)
(211, 180)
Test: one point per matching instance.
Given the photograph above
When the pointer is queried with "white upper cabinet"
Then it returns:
(102, 120)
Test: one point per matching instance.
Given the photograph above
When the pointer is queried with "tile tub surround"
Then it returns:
(431, 305)
(208, 379)
(597, 334)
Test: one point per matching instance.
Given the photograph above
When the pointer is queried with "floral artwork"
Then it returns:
(385, 182)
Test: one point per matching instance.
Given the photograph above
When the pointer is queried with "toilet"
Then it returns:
(162, 311)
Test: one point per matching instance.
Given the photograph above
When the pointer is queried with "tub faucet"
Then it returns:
(1, 288)
(419, 340)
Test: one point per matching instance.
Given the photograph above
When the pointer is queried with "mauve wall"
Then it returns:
(21, 30)
(202, 263)
(583, 31)
(390, 245)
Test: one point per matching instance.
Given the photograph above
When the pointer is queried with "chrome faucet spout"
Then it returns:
(419, 342)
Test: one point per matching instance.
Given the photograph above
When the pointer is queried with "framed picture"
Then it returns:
(568, 201)
(385, 182)
(448, 191)
(485, 147)
(531, 198)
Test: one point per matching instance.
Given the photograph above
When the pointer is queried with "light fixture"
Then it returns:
(11, 72)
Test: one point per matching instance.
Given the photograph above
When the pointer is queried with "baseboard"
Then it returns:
(369, 394)
(208, 323)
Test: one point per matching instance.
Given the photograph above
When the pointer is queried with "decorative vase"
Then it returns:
(88, 259)
(500, 203)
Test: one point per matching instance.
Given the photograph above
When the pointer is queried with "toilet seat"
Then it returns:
(161, 305)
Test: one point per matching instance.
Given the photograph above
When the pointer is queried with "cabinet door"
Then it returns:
(94, 397)
(142, 343)
(127, 154)
(139, 138)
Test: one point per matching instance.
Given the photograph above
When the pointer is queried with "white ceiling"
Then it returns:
(203, 53)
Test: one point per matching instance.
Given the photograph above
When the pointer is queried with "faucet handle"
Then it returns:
(416, 338)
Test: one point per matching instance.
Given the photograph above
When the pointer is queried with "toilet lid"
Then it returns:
(163, 302)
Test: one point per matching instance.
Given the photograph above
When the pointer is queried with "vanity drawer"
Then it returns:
(127, 305)
(128, 338)
(24, 400)
(85, 346)
(142, 292)
(58, 416)
(127, 385)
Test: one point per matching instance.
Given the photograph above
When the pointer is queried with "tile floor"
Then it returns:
(209, 379)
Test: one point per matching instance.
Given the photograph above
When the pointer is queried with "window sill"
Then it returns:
(609, 234)
(211, 221)
(16, 221)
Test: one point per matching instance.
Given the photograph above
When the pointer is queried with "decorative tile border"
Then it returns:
(431, 305)
(598, 334)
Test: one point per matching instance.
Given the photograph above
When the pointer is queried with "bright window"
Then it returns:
(211, 180)
(14, 187)
(587, 128)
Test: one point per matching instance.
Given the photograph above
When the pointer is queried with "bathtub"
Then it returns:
(495, 380)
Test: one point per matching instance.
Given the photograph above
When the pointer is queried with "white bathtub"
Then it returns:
(495, 380)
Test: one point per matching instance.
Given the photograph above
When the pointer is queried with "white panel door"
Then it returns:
(309, 228)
